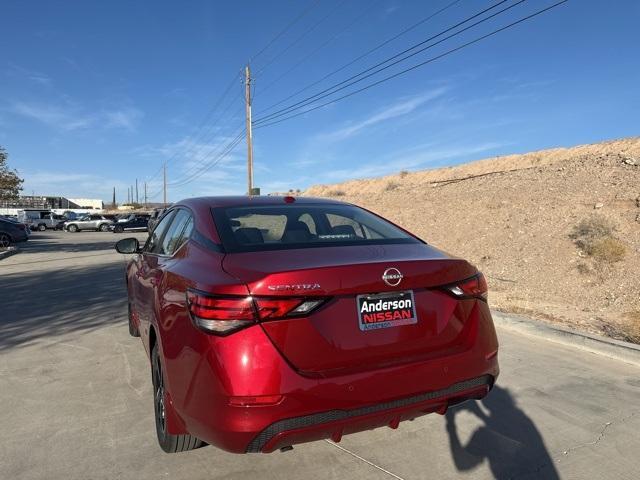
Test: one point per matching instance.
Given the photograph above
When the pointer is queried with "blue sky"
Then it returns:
(96, 94)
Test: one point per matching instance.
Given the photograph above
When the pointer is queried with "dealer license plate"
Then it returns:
(386, 310)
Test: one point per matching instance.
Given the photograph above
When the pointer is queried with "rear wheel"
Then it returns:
(169, 443)
(42, 227)
(118, 229)
(104, 227)
(133, 329)
(72, 228)
(5, 240)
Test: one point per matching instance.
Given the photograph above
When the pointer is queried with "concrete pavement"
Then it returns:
(76, 403)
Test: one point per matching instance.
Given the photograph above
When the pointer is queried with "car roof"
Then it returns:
(245, 201)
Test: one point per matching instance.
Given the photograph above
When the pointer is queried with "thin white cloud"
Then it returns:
(126, 118)
(398, 109)
(70, 117)
(28, 74)
(52, 116)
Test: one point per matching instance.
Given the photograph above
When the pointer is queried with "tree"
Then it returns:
(10, 183)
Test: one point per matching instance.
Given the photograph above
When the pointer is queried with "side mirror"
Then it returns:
(128, 245)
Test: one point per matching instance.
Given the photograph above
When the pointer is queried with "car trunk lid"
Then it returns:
(331, 340)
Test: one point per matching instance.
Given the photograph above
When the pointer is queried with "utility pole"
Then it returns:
(247, 98)
(145, 194)
(137, 190)
(164, 183)
(113, 202)
(128, 193)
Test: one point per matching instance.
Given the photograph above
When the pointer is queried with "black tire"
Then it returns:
(118, 229)
(5, 240)
(73, 228)
(103, 227)
(169, 443)
(42, 227)
(133, 330)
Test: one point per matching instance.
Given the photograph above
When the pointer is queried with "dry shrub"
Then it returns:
(609, 250)
(594, 236)
(336, 193)
(403, 173)
(591, 229)
(391, 186)
(632, 326)
(583, 268)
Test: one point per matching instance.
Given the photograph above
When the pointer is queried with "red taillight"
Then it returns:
(273, 308)
(225, 314)
(220, 315)
(474, 287)
(220, 308)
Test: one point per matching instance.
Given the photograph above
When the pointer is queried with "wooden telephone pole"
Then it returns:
(247, 98)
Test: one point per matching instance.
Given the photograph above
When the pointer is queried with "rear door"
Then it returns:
(154, 260)
(146, 264)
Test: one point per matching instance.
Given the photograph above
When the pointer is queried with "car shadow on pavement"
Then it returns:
(40, 305)
(508, 439)
(42, 243)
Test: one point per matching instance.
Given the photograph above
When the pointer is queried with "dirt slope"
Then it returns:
(557, 232)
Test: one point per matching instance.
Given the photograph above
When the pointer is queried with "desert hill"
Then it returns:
(556, 232)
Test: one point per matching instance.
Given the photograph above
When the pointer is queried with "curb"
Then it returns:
(8, 253)
(609, 347)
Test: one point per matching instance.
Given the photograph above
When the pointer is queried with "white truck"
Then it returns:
(38, 219)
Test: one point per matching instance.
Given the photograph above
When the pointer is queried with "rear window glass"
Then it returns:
(257, 228)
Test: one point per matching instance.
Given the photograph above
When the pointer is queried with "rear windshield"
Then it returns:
(258, 228)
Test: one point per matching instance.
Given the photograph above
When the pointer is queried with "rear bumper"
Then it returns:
(335, 423)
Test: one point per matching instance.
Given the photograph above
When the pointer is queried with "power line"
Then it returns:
(365, 54)
(433, 59)
(206, 118)
(302, 14)
(202, 162)
(227, 150)
(194, 149)
(363, 13)
(348, 82)
(306, 32)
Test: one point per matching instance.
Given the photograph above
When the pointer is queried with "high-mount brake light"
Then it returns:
(221, 315)
(474, 287)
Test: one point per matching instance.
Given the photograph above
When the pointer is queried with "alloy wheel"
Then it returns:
(5, 241)
(158, 383)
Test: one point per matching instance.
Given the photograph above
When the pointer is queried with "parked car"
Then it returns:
(88, 222)
(133, 223)
(13, 219)
(155, 216)
(272, 321)
(12, 231)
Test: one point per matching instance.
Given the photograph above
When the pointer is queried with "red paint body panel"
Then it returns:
(319, 363)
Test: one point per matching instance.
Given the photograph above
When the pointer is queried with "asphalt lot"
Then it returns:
(76, 402)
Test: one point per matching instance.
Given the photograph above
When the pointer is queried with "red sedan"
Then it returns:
(274, 321)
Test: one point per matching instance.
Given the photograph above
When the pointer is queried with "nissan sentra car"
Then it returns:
(273, 321)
